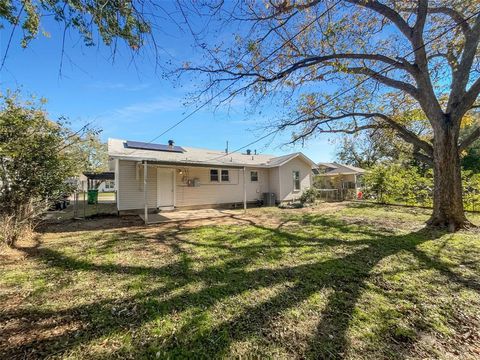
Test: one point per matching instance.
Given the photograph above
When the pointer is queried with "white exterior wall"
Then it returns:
(255, 189)
(210, 193)
(274, 181)
(130, 186)
(286, 179)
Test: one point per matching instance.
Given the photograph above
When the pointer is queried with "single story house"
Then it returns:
(166, 177)
(338, 176)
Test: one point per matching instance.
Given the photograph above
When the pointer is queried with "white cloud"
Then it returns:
(118, 86)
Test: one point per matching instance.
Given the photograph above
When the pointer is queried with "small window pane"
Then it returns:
(296, 180)
(213, 175)
(253, 176)
(225, 175)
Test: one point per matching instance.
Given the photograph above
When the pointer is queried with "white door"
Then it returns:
(165, 188)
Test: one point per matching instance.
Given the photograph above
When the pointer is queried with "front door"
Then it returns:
(165, 189)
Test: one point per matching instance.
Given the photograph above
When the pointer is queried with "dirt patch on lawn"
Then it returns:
(97, 223)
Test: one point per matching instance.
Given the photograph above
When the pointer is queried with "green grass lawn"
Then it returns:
(336, 281)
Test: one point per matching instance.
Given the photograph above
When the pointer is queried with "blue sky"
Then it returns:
(130, 100)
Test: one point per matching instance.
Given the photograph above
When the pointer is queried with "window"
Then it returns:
(213, 175)
(253, 175)
(225, 175)
(109, 184)
(296, 180)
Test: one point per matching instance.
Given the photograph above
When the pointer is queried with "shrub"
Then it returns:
(471, 190)
(400, 184)
(309, 196)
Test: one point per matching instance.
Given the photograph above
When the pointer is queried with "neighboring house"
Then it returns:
(338, 176)
(185, 177)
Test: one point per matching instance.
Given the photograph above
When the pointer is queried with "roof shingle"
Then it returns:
(197, 156)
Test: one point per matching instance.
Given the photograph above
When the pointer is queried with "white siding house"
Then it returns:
(183, 177)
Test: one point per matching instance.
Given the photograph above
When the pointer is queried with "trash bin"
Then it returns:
(92, 197)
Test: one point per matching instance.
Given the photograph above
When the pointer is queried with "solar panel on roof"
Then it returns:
(155, 147)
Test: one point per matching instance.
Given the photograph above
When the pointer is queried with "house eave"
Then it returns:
(189, 163)
(304, 157)
(339, 174)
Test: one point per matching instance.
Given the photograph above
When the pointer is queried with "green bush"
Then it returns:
(407, 185)
(309, 196)
(471, 190)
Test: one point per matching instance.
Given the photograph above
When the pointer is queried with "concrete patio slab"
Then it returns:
(185, 215)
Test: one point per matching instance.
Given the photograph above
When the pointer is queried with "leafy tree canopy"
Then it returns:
(112, 19)
(37, 158)
(92, 152)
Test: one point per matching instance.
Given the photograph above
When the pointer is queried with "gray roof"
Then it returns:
(341, 169)
(328, 165)
(195, 156)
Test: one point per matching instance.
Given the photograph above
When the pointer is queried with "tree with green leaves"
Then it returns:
(109, 22)
(352, 65)
(92, 152)
(37, 158)
(471, 155)
(370, 147)
(397, 183)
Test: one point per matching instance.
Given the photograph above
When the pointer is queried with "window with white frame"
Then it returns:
(213, 174)
(296, 180)
(225, 175)
(253, 176)
(109, 184)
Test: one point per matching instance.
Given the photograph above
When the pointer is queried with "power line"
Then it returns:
(351, 88)
(238, 79)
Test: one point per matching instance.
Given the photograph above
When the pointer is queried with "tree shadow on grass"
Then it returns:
(345, 276)
(106, 222)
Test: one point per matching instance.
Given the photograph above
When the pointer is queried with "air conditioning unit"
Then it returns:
(269, 199)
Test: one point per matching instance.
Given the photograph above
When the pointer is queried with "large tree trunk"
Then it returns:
(448, 209)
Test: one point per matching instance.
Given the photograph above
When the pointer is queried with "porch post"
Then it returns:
(244, 190)
(356, 191)
(145, 191)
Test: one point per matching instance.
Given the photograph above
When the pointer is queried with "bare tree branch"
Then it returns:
(469, 140)
(421, 11)
(423, 158)
(388, 13)
(470, 97)
(9, 42)
(460, 100)
(402, 131)
(453, 14)
(397, 84)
